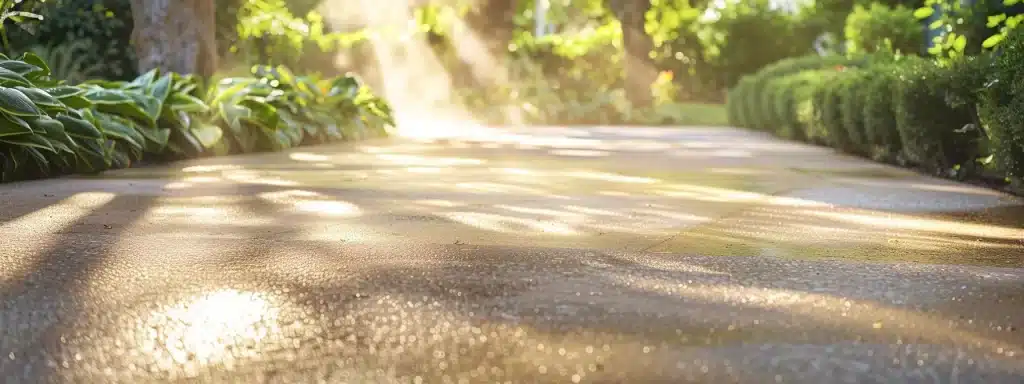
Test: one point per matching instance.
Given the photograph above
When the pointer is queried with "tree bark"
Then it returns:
(639, 70)
(494, 22)
(175, 35)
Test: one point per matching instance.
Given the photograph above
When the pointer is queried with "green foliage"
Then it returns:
(275, 109)
(69, 61)
(1002, 106)
(853, 89)
(968, 29)
(9, 12)
(879, 26)
(879, 119)
(42, 131)
(935, 113)
(272, 34)
(748, 100)
(748, 35)
(829, 113)
(98, 31)
(793, 101)
(48, 127)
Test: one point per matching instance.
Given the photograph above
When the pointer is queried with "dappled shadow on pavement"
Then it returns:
(542, 255)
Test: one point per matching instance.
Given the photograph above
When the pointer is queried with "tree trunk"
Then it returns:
(175, 35)
(639, 69)
(494, 22)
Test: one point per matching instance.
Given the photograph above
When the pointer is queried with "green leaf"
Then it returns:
(156, 138)
(40, 97)
(64, 91)
(19, 67)
(994, 21)
(76, 102)
(16, 103)
(46, 124)
(183, 102)
(120, 128)
(960, 43)
(80, 128)
(10, 78)
(992, 41)
(37, 61)
(924, 12)
(1010, 3)
(936, 24)
(125, 103)
(161, 89)
(144, 81)
(13, 125)
(207, 134)
(30, 140)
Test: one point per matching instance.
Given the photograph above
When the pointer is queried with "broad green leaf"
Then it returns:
(145, 80)
(108, 96)
(187, 103)
(29, 140)
(124, 103)
(936, 24)
(40, 97)
(13, 125)
(37, 61)
(63, 91)
(924, 12)
(80, 128)
(156, 138)
(47, 124)
(207, 134)
(161, 89)
(10, 78)
(120, 128)
(76, 102)
(19, 67)
(1010, 3)
(16, 103)
(992, 41)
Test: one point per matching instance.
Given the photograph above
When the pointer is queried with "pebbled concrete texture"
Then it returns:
(533, 255)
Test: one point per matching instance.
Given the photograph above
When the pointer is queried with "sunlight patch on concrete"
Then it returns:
(924, 224)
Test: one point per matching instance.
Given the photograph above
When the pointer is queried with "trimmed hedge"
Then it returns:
(744, 102)
(878, 112)
(950, 118)
(935, 112)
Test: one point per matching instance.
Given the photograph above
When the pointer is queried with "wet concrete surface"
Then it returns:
(543, 255)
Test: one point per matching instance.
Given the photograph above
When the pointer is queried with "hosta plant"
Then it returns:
(46, 127)
(274, 109)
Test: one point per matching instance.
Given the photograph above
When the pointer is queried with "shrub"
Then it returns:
(749, 99)
(880, 131)
(851, 106)
(1003, 106)
(934, 109)
(829, 112)
(880, 26)
(734, 103)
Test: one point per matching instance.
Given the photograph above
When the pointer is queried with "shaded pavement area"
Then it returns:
(604, 255)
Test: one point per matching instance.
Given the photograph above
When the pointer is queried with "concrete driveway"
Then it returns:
(605, 255)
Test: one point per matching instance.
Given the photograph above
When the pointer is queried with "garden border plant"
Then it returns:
(48, 128)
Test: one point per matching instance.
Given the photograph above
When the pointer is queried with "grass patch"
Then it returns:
(690, 114)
